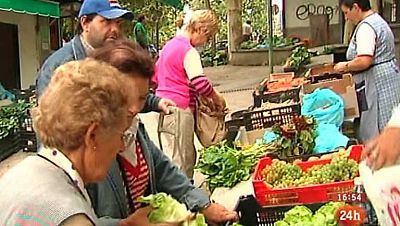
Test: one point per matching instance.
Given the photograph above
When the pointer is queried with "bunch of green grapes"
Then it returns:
(340, 169)
(343, 168)
(283, 175)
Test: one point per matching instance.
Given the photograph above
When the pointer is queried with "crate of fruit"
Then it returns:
(268, 117)
(252, 214)
(312, 156)
(276, 182)
(278, 91)
(276, 97)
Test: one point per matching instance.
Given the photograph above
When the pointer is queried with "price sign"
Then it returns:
(350, 215)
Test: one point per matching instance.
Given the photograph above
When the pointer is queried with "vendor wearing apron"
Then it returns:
(372, 61)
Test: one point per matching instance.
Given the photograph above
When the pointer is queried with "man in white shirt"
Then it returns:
(384, 150)
(247, 31)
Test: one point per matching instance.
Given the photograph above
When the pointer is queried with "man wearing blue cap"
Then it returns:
(99, 22)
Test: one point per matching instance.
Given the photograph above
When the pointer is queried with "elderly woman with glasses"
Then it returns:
(81, 119)
(81, 139)
(143, 169)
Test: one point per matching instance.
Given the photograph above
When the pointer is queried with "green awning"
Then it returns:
(33, 7)
(177, 4)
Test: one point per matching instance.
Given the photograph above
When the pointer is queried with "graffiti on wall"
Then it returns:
(304, 11)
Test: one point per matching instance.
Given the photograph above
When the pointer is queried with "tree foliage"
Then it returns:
(254, 10)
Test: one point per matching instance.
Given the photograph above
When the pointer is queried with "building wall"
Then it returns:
(29, 52)
(297, 15)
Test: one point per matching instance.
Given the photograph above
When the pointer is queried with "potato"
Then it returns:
(313, 158)
(327, 156)
(297, 161)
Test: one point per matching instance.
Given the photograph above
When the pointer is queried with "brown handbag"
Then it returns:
(209, 125)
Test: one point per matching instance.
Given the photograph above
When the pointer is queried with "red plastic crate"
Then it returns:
(267, 196)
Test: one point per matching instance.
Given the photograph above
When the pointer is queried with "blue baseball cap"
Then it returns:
(109, 9)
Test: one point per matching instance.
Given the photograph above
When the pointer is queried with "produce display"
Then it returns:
(285, 175)
(328, 50)
(284, 84)
(168, 210)
(303, 216)
(11, 117)
(225, 166)
(277, 42)
(299, 58)
(248, 45)
(269, 105)
(295, 138)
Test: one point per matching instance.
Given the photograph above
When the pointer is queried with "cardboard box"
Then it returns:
(345, 88)
(279, 76)
(321, 69)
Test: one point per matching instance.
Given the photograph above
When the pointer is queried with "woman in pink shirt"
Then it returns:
(180, 77)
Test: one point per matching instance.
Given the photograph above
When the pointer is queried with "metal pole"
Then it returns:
(270, 35)
(157, 28)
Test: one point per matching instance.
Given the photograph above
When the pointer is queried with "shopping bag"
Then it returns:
(210, 124)
(325, 106)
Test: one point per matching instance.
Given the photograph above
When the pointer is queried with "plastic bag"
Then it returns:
(383, 191)
(325, 106)
(4, 94)
(329, 138)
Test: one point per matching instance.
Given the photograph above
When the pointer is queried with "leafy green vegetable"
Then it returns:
(299, 58)
(281, 223)
(12, 117)
(303, 216)
(225, 167)
(167, 209)
(328, 50)
(299, 214)
(248, 45)
(276, 41)
(236, 224)
(295, 138)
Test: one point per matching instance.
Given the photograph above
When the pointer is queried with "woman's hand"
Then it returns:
(384, 150)
(216, 214)
(341, 67)
(219, 101)
(165, 105)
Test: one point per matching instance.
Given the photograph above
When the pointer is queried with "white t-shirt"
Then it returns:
(395, 120)
(247, 29)
(366, 40)
(192, 64)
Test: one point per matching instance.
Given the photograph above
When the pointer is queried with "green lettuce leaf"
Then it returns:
(167, 209)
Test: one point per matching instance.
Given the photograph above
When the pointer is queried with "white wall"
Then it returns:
(297, 11)
(27, 39)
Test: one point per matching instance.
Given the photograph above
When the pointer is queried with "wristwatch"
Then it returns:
(201, 209)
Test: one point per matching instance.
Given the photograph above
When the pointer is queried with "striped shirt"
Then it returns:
(199, 85)
(137, 177)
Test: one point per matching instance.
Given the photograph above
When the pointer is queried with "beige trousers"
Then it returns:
(176, 134)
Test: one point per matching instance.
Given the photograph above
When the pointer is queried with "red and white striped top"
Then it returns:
(137, 177)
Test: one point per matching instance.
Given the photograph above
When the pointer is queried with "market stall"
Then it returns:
(290, 157)
(16, 130)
